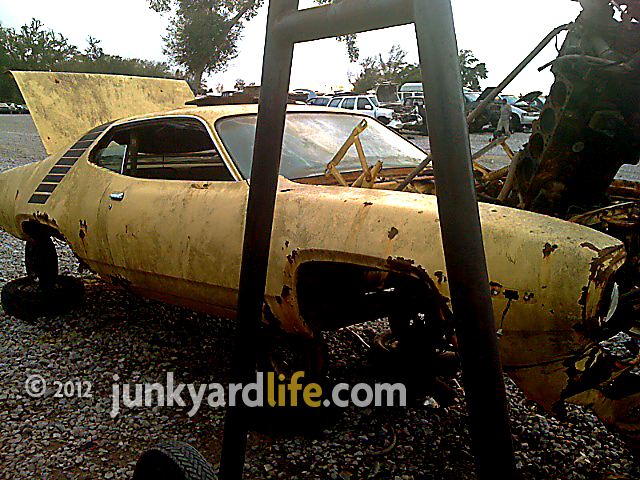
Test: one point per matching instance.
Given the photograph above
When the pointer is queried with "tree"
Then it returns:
(239, 84)
(377, 70)
(471, 70)
(394, 69)
(93, 51)
(31, 48)
(34, 47)
(203, 34)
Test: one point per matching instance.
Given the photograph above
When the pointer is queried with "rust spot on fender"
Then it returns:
(606, 263)
(511, 294)
(400, 264)
(366, 204)
(392, 233)
(292, 256)
(42, 216)
(440, 276)
(286, 291)
(548, 249)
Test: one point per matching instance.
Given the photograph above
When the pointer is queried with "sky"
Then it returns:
(500, 33)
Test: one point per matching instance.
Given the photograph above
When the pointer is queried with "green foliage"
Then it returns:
(377, 70)
(33, 47)
(394, 69)
(471, 70)
(203, 34)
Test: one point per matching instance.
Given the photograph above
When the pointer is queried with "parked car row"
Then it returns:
(523, 113)
(13, 108)
(364, 104)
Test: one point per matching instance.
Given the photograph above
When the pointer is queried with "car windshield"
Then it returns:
(312, 139)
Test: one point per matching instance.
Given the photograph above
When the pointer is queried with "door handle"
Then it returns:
(117, 196)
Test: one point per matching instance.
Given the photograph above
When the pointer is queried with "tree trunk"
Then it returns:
(196, 81)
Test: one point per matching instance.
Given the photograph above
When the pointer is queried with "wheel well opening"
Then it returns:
(36, 230)
(332, 295)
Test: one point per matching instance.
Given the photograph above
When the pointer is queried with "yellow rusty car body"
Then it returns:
(180, 239)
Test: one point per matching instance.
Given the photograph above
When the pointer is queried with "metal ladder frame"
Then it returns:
(457, 205)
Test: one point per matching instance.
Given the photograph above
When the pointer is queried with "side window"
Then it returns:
(349, 103)
(172, 148)
(363, 104)
(111, 156)
(334, 102)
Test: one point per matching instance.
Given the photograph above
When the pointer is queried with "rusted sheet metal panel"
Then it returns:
(65, 105)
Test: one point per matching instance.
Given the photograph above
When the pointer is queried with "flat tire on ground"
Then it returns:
(173, 461)
(27, 299)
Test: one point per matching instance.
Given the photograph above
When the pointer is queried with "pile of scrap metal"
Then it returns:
(590, 127)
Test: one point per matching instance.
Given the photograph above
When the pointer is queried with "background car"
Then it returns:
(5, 108)
(520, 118)
(413, 115)
(364, 104)
(319, 101)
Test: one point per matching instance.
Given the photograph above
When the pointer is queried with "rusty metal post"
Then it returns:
(276, 71)
(462, 241)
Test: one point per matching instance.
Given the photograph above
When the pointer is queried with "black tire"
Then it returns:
(173, 461)
(41, 259)
(27, 299)
(515, 124)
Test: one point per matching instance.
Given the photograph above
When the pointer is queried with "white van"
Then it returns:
(411, 89)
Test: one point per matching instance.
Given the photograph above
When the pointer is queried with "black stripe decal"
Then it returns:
(64, 164)
(83, 144)
(67, 161)
(46, 187)
(71, 153)
(40, 198)
(59, 170)
(52, 179)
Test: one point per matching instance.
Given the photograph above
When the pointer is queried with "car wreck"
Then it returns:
(156, 203)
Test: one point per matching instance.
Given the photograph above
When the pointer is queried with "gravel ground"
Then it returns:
(74, 437)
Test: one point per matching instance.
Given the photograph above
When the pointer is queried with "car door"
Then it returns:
(173, 213)
(365, 107)
(348, 103)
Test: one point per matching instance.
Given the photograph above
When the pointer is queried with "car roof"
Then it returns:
(215, 112)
